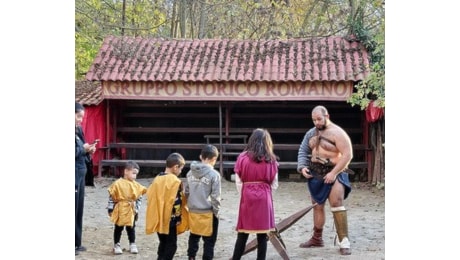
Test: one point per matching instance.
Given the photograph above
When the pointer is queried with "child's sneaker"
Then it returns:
(117, 249)
(133, 248)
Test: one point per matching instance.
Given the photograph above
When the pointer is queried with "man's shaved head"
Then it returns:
(320, 109)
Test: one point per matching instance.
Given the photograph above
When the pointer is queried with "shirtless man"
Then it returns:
(324, 154)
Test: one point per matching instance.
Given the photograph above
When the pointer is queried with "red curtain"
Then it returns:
(94, 127)
(373, 113)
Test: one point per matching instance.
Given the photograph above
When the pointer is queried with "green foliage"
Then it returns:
(96, 19)
(85, 50)
(232, 19)
(373, 87)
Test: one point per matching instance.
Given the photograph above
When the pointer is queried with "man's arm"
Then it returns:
(303, 161)
(343, 144)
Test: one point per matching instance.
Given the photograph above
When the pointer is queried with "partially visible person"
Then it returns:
(203, 193)
(323, 157)
(166, 212)
(83, 152)
(256, 176)
(124, 203)
(89, 179)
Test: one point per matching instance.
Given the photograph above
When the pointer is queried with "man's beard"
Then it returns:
(321, 127)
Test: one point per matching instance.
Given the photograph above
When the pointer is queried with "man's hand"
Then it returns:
(330, 177)
(306, 173)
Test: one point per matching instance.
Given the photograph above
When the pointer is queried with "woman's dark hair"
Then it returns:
(260, 146)
(78, 107)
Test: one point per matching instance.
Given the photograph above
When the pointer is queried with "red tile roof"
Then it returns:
(88, 92)
(154, 59)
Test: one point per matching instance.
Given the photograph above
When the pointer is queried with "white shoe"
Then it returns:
(345, 243)
(117, 249)
(133, 248)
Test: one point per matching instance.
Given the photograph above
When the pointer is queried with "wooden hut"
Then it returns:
(167, 95)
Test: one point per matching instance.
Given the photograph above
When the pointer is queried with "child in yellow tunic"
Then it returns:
(124, 203)
(166, 213)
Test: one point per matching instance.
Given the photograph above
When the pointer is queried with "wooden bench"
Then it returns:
(293, 165)
(228, 151)
(225, 164)
(149, 163)
(192, 146)
(226, 137)
(145, 163)
(214, 130)
(210, 130)
(142, 163)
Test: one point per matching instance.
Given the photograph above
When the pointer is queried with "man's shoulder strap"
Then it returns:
(327, 140)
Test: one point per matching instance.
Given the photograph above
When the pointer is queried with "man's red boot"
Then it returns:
(316, 240)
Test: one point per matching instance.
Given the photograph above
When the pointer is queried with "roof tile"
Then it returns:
(154, 59)
(88, 92)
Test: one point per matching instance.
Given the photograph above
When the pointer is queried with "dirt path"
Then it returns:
(366, 221)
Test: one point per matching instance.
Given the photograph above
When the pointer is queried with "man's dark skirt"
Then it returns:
(320, 190)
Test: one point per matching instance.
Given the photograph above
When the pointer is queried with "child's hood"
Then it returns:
(200, 169)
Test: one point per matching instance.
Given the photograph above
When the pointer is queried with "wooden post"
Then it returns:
(221, 162)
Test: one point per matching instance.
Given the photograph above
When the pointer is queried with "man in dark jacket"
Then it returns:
(82, 151)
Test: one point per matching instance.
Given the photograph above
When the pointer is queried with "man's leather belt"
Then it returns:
(319, 170)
